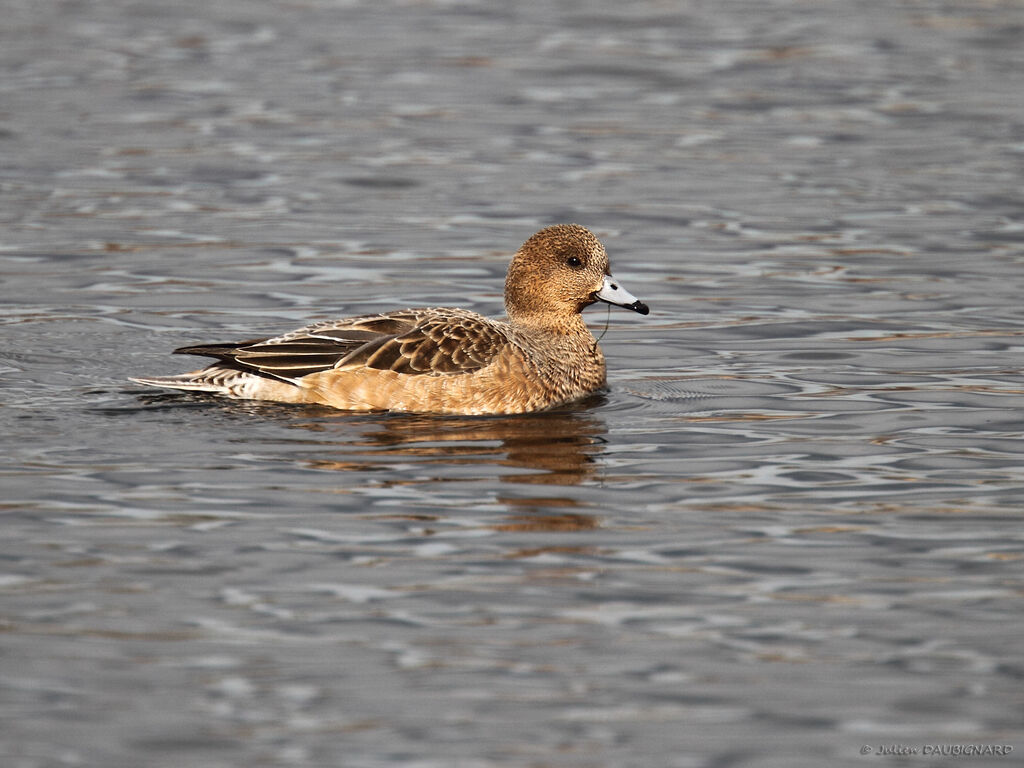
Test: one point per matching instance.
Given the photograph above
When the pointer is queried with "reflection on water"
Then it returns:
(557, 448)
(790, 529)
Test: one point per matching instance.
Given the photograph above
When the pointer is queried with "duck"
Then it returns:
(441, 360)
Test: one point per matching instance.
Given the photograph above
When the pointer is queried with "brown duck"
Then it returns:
(437, 359)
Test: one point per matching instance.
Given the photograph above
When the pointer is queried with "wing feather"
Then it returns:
(412, 342)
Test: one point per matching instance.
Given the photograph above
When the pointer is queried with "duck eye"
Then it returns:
(574, 262)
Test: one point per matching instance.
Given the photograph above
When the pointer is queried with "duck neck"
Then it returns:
(555, 323)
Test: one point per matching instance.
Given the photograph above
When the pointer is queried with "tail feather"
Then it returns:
(224, 380)
(197, 381)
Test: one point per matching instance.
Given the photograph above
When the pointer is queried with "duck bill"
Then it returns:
(613, 293)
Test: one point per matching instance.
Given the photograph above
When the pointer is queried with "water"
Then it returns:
(790, 530)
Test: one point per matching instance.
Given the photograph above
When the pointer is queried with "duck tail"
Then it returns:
(209, 380)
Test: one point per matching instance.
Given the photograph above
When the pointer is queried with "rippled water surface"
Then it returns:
(789, 533)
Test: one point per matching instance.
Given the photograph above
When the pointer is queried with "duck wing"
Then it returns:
(428, 341)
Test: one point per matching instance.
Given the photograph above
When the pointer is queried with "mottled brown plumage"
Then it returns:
(436, 359)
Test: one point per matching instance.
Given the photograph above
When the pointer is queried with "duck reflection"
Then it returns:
(556, 448)
(551, 449)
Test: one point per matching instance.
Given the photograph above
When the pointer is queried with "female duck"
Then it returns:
(435, 359)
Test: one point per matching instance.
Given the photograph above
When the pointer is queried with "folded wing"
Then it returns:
(413, 342)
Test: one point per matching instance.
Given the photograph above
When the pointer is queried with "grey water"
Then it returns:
(790, 533)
